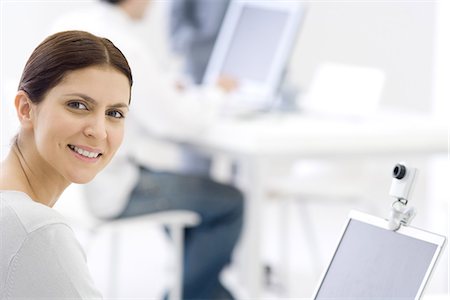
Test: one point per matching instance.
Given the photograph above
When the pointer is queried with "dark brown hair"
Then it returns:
(68, 51)
(114, 2)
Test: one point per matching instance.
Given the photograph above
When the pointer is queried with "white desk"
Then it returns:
(294, 135)
(259, 142)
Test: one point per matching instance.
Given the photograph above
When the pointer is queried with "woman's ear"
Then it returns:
(24, 109)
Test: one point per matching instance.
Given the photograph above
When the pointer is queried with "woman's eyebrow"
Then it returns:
(84, 96)
(94, 102)
(120, 105)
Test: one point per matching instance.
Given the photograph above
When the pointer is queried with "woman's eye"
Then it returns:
(115, 114)
(77, 105)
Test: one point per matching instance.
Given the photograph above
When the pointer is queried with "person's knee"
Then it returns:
(236, 201)
(220, 203)
(239, 201)
(235, 214)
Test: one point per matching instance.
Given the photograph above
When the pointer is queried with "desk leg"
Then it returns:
(254, 170)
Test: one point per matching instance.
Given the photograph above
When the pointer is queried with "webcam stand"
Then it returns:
(402, 183)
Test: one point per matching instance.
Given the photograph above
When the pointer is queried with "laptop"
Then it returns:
(253, 47)
(373, 262)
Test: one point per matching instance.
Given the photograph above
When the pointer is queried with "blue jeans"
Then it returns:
(208, 246)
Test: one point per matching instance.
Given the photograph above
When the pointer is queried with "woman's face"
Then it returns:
(79, 125)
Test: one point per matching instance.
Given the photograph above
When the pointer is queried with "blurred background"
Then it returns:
(306, 200)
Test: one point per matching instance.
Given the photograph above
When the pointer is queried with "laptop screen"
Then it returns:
(249, 54)
(372, 262)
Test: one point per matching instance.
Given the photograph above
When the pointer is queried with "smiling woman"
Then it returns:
(92, 116)
(72, 100)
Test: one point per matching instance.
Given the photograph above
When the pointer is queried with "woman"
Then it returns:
(71, 103)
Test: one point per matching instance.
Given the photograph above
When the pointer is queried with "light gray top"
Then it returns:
(40, 257)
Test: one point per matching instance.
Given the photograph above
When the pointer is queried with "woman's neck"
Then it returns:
(21, 172)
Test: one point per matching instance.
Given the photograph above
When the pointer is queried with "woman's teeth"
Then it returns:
(84, 152)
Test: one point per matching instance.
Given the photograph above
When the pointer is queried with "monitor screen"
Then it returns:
(249, 54)
(375, 263)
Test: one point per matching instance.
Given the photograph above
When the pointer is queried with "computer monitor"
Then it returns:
(253, 46)
(373, 262)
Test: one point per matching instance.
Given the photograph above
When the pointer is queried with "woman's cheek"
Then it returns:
(117, 137)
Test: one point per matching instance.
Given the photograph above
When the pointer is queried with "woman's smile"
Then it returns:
(85, 153)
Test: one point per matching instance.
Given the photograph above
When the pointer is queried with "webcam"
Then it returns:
(402, 182)
(399, 171)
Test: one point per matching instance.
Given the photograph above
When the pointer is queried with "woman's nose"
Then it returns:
(96, 128)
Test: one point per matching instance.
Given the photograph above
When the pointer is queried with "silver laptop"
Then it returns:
(373, 262)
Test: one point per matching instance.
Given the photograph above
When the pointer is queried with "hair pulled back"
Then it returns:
(64, 52)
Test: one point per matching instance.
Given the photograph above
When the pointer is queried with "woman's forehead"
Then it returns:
(98, 82)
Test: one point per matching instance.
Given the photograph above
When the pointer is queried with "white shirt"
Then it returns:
(159, 114)
(40, 258)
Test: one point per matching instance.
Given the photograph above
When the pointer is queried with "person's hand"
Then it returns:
(227, 83)
(180, 86)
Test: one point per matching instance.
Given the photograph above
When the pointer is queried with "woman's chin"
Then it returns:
(81, 179)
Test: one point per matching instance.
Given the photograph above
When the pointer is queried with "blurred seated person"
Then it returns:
(136, 182)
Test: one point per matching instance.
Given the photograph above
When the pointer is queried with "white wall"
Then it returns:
(441, 59)
(395, 36)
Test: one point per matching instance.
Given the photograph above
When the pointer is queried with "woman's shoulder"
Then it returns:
(40, 254)
(20, 212)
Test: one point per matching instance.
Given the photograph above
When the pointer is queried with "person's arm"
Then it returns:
(50, 265)
(163, 110)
